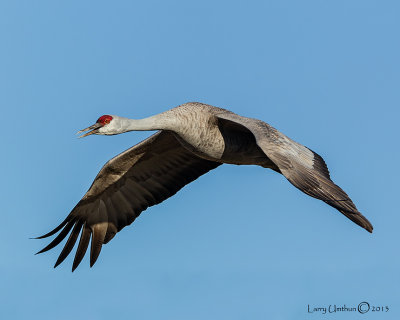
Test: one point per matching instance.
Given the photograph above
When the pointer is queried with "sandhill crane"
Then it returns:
(193, 139)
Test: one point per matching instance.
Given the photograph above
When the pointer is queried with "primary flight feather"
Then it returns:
(193, 139)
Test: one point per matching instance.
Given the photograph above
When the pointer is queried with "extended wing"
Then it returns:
(305, 169)
(128, 184)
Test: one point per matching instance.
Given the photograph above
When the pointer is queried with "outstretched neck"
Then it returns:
(157, 122)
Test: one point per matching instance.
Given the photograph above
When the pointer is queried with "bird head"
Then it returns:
(104, 125)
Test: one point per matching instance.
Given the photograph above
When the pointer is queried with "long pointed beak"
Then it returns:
(93, 128)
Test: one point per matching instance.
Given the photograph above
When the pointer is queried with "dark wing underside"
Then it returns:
(128, 184)
(305, 169)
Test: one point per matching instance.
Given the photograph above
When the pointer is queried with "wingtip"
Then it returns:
(40, 237)
(41, 251)
(75, 265)
(58, 262)
(369, 228)
(93, 258)
(366, 224)
(359, 219)
(92, 262)
(54, 231)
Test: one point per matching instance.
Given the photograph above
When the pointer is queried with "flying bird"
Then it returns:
(192, 139)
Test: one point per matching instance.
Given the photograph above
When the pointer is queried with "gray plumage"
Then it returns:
(194, 138)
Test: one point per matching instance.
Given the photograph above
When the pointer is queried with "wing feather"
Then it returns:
(60, 237)
(70, 243)
(128, 184)
(98, 225)
(82, 246)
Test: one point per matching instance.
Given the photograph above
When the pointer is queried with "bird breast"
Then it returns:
(206, 138)
(202, 137)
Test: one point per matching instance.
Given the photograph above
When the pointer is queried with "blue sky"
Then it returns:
(241, 242)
